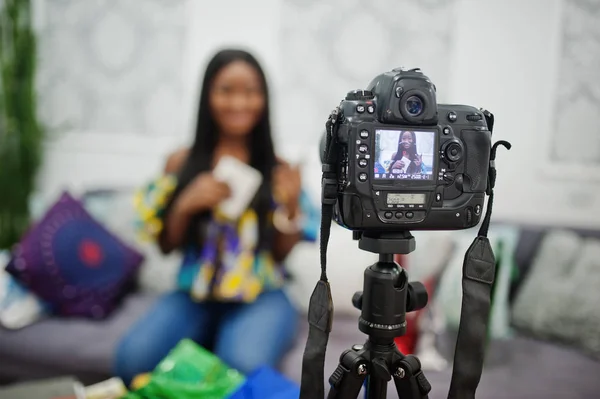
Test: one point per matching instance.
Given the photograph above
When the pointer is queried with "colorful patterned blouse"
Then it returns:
(241, 271)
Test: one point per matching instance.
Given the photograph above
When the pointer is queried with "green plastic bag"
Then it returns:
(190, 372)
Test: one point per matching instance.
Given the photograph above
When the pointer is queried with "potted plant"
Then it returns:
(21, 132)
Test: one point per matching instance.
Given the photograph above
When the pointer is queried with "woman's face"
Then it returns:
(406, 140)
(237, 99)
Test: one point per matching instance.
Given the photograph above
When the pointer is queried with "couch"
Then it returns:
(53, 346)
(518, 366)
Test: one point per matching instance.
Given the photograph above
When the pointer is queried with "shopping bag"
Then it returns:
(189, 372)
(266, 383)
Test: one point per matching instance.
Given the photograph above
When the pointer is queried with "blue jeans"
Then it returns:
(244, 336)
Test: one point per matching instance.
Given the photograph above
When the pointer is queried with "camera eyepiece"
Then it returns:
(414, 105)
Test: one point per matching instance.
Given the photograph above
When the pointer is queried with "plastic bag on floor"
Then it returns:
(267, 383)
(190, 372)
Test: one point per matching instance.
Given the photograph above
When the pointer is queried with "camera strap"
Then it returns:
(320, 308)
(479, 269)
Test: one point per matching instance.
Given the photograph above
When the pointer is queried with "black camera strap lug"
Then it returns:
(492, 168)
(329, 185)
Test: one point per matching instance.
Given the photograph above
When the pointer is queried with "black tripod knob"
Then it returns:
(416, 297)
(380, 369)
(357, 300)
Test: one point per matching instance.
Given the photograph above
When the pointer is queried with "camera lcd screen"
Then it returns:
(404, 154)
(404, 198)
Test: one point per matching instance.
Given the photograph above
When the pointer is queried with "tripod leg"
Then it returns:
(348, 378)
(409, 379)
(376, 388)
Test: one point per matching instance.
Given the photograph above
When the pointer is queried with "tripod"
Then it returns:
(386, 298)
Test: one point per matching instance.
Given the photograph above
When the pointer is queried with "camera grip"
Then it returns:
(477, 161)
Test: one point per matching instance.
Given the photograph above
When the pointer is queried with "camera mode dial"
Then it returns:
(359, 95)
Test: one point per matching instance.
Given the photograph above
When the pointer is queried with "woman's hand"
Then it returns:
(203, 193)
(418, 160)
(398, 165)
(287, 186)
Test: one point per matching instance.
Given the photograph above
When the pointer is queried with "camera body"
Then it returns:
(408, 163)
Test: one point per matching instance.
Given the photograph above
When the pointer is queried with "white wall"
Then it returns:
(502, 60)
(507, 60)
(503, 56)
(85, 157)
(225, 23)
(111, 83)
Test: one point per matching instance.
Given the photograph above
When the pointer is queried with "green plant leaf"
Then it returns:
(21, 133)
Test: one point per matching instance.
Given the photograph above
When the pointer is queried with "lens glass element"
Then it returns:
(414, 106)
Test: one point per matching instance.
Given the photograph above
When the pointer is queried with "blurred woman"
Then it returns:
(230, 295)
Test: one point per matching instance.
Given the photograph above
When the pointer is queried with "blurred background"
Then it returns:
(117, 86)
(119, 82)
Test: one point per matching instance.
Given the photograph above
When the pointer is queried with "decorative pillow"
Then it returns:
(449, 294)
(559, 296)
(115, 210)
(506, 239)
(73, 263)
(538, 295)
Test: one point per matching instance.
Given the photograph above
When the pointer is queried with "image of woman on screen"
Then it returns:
(406, 159)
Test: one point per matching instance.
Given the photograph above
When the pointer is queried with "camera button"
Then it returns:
(364, 134)
(370, 109)
(363, 177)
(438, 197)
(447, 130)
(453, 151)
(363, 148)
(452, 116)
(474, 117)
(399, 215)
(477, 209)
(399, 91)
(409, 215)
(362, 162)
(388, 215)
(360, 108)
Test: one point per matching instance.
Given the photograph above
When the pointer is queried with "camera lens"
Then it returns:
(414, 106)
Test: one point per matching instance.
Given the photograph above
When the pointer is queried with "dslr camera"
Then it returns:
(408, 163)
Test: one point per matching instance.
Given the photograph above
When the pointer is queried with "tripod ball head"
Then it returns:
(386, 299)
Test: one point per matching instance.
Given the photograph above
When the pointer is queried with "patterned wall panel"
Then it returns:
(112, 66)
(329, 48)
(576, 136)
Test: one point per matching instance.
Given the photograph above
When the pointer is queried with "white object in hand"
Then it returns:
(243, 181)
(406, 163)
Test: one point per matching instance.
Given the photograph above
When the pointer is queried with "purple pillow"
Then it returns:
(73, 263)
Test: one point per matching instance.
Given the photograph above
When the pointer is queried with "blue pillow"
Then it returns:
(73, 263)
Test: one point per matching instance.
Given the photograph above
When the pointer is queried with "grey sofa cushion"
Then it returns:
(529, 243)
(559, 297)
(58, 346)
